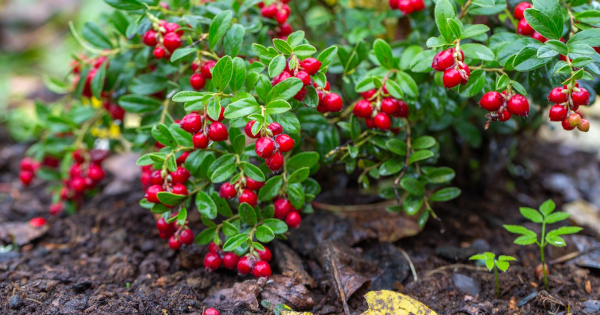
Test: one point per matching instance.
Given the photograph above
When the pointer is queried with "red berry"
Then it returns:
(275, 162)
(281, 77)
(253, 184)
(174, 243)
(150, 38)
(194, 66)
(390, 105)
(363, 109)
(221, 115)
(558, 113)
(37, 222)
(520, 8)
(214, 248)
(465, 73)
(230, 260)
(368, 94)
(197, 81)
(248, 196)
(212, 262)
(248, 130)
(418, 5)
(186, 237)
(581, 98)
(217, 132)
(393, 4)
(442, 61)
(173, 28)
(462, 53)
(275, 128)
(566, 125)
(261, 269)
(152, 193)
(205, 70)
(56, 208)
(200, 140)
(451, 78)
(269, 11)
(539, 37)
(96, 173)
(180, 189)
(403, 110)
(518, 105)
(524, 28)
(333, 102)
(181, 159)
(78, 184)
(285, 142)
(26, 177)
(556, 96)
(75, 171)
(321, 108)
(584, 125)
(264, 255)
(227, 191)
(282, 208)
(504, 115)
(406, 6)
(180, 176)
(310, 65)
(163, 226)
(211, 311)
(382, 121)
(285, 29)
(264, 147)
(244, 265)
(78, 156)
(27, 164)
(191, 122)
(300, 95)
(304, 76)
(293, 219)
(491, 101)
(172, 41)
(116, 112)
(369, 122)
(281, 16)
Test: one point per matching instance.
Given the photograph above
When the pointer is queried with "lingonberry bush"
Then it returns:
(232, 111)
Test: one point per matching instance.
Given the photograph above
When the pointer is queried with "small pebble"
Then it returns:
(15, 302)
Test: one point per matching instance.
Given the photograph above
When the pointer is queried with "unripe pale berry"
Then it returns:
(362, 109)
(197, 81)
(254, 184)
(275, 128)
(230, 260)
(451, 78)
(442, 61)
(584, 125)
(282, 208)
(227, 191)
(248, 196)
(264, 147)
(264, 255)
(557, 96)
(186, 237)
(574, 119)
(382, 121)
(518, 105)
(212, 262)
(261, 269)
(566, 125)
(524, 28)
(310, 65)
(217, 132)
(557, 113)
(293, 220)
(275, 162)
(333, 102)
(491, 101)
(191, 122)
(180, 176)
(285, 142)
(200, 140)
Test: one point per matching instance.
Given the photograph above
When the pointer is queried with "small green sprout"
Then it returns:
(492, 263)
(543, 216)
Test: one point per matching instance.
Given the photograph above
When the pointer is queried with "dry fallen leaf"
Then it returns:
(22, 232)
(386, 302)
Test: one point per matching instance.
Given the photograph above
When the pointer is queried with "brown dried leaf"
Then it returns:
(380, 224)
(288, 291)
(290, 265)
(22, 232)
(336, 265)
(241, 293)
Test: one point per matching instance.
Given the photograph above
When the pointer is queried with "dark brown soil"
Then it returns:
(108, 258)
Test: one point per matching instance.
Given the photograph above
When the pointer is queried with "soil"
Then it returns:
(108, 259)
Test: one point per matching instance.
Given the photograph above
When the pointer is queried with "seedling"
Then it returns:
(543, 216)
(492, 263)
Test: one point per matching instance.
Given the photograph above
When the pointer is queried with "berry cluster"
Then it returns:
(377, 111)
(76, 66)
(407, 6)
(84, 174)
(523, 27)
(164, 36)
(202, 131)
(278, 10)
(284, 210)
(568, 99)
(256, 263)
(177, 235)
(450, 62)
(503, 105)
(30, 166)
(244, 189)
(163, 180)
(202, 72)
(270, 143)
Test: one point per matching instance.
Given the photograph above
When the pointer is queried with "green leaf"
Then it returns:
(218, 28)
(408, 55)
(233, 40)
(445, 194)
(276, 65)
(441, 175)
(397, 146)
(162, 134)
(326, 56)
(295, 38)
(285, 89)
(424, 142)
(506, 258)
(304, 159)
(206, 205)
(188, 96)
(383, 52)
(247, 213)
(525, 240)
(394, 89)
(138, 103)
(242, 108)
(304, 50)
(542, 23)
(182, 52)
(474, 86)
(206, 236)
(478, 51)
(582, 61)
(502, 265)
(222, 173)
(230, 229)
(444, 10)
(296, 197)
(277, 226)
(588, 17)
(252, 171)
(419, 156)
(234, 242)
(546, 52)
(554, 11)
(413, 186)
(557, 46)
(547, 207)
(283, 46)
(278, 107)
(531, 214)
(98, 81)
(412, 204)
(299, 176)
(391, 166)
(92, 33)
(556, 217)
(555, 240)
(474, 30)
(527, 60)
(271, 188)
(422, 62)
(478, 257)
(517, 229)
(127, 5)
(455, 28)
(484, 3)
(565, 230)
(239, 74)
(222, 205)
(408, 84)
(264, 234)
(589, 37)
(222, 73)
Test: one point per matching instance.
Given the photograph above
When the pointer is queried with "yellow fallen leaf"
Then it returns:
(295, 313)
(393, 303)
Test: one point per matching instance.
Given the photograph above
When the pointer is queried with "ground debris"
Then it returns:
(389, 302)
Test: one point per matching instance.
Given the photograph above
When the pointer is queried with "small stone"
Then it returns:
(591, 306)
(466, 284)
(15, 302)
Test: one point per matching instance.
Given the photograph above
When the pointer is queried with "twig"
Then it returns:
(36, 301)
(572, 255)
(410, 263)
(338, 283)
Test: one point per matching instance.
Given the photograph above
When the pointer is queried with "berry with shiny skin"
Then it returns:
(264, 255)
(557, 113)
(574, 119)
(152, 193)
(282, 208)
(181, 159)
(584, 125)
(333, 102)
(191, 122)
(269, 11)
(281, 77)
(37, 222)
(244, 265)
(78, 156)
(368, 94)
(221, 115)
(518, 105)
(504, 115)
(382, 121)
(254, 184)
(406, 6)
(275, 162)
(520, 8)
(78, 184)
(491, 101)
(310, 65)
(217, 132)
(200, 140)
(174, 242)
(261, 269)
(581, 98)
(163, 226)
(285, 142)
(390, 105)
(211, 311)
(214, 248)
(281, 16)
(557, 96)
(275, 128)
(369, 122)
(566, 125)
(149, 38)
(180, 189)
(300, 95)
(539, 37)
(293, 220)
(403, 110)
(180, 176)
(451, 78)
(227, 191)
(230, 260)
(186, 237)
(393, 4)
(362, 109)
(304, 76)
(248, 130)
(524, 28)
(173, 28)
(26, 177)
(248, 196)
(96, 173)
(212, 262)
(264, 147)
(27, 164)
(172, 41)
(464, 75)
(285, 29)
(442, 61)
(56, 208)
(462, 53)
(197, 81)
(205, 69)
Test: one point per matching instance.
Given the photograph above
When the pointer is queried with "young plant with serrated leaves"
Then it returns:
(491, 263)
(545, 215)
